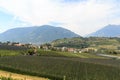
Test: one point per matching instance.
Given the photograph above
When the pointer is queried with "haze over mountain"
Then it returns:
(40, 34)
(107, 31)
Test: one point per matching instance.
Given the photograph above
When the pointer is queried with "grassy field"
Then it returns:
(13, 76)
(67, 54)
(9, 53)
(56, 68)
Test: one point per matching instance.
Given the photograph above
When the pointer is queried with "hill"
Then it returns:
(107, 31)
(36, 34)
(99, 43)
(76, 42)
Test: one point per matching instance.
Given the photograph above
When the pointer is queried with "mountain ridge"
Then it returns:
(36, 34)
(107, 31)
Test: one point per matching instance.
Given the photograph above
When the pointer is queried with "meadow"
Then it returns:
(66, 54)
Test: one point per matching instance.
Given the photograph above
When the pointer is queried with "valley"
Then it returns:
(58, 65)
(68, 57)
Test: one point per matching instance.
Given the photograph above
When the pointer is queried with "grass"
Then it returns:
(13, 76)
(6, 78)
(8, 50)
(67, 54)
(9, 53)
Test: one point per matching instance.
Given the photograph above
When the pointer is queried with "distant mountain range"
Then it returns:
(36, 35)
(107, 31)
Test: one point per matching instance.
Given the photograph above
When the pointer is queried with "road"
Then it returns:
(109, 56)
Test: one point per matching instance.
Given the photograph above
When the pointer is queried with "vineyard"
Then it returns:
(57, 68)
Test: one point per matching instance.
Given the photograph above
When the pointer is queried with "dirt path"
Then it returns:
(19, 76)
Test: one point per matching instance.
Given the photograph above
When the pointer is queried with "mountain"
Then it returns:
(36, 34)
(107, 31)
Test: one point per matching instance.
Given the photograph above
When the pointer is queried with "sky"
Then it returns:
(80, 16)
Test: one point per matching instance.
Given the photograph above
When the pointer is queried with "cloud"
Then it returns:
(80, 16)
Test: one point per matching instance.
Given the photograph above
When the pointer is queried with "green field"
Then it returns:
(67, 54)
(9, 53)
(6, 50)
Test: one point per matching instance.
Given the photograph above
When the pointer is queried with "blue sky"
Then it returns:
(8, 21)
(79, 16)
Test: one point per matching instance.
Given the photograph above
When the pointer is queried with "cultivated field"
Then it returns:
(57, 68)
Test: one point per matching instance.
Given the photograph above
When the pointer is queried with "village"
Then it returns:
(49, 47)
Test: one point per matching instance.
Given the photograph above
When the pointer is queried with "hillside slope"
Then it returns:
(107, 31)
(38, 34)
